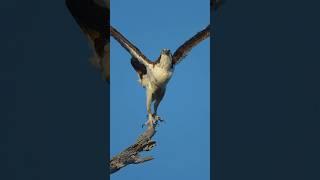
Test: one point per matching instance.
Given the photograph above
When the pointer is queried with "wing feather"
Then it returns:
(138, 67)
(186, 47)
(93, 18)
(215, 5)
(127, 45)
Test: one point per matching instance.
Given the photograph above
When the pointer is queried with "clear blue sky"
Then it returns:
(183, 148)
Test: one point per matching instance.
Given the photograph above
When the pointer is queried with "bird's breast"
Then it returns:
(161, 76)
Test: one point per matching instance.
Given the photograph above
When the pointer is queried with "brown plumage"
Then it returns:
(186, 47)
(93, 19)
(154, 75)
(215, 5)
(178, 55)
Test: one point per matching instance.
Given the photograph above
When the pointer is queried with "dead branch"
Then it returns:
(131, 154)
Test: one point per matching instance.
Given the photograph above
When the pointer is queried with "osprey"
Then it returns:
(216, 5)
(154, 76)
(93, 16)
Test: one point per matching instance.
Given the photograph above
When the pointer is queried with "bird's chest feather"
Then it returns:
(160, 76)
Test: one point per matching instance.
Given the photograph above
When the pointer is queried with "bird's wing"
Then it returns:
(215, 5)
(186, 47)
(127, 45)
(102, 3)
(138, 67)
(93, 18)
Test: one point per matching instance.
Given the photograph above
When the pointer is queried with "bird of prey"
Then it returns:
(93, 18)
(215, 5)
(154, 75)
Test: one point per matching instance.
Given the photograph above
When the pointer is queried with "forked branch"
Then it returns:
(131, 154)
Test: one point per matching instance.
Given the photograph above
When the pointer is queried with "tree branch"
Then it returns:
(131, 154)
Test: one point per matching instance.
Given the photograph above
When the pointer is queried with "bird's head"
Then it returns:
(166, 52)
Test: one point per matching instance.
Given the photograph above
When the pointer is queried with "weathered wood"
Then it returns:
(131, 154)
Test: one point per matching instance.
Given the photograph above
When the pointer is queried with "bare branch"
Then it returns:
(131, 154)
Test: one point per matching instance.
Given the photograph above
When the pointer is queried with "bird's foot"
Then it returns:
(157, 118)
(151, 123)
(152, 120)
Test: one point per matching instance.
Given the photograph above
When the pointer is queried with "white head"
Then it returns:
(166, 52)
(165, 58)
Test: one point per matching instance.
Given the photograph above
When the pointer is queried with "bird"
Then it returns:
(93, 17)
(155, 75)
(215, 5)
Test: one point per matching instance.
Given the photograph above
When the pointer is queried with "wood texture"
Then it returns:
(131, 154)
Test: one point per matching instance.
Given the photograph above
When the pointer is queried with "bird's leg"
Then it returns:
(159, 96)
(154, 115)
(151, 120)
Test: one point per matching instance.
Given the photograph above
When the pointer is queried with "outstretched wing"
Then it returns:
(186, 47)
(127, 45)
(215, 5)
(93, 18)
(138, 67)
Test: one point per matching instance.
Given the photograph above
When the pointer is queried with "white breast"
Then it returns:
(160, 76)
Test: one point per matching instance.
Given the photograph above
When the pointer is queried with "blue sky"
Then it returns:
(183, 148)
